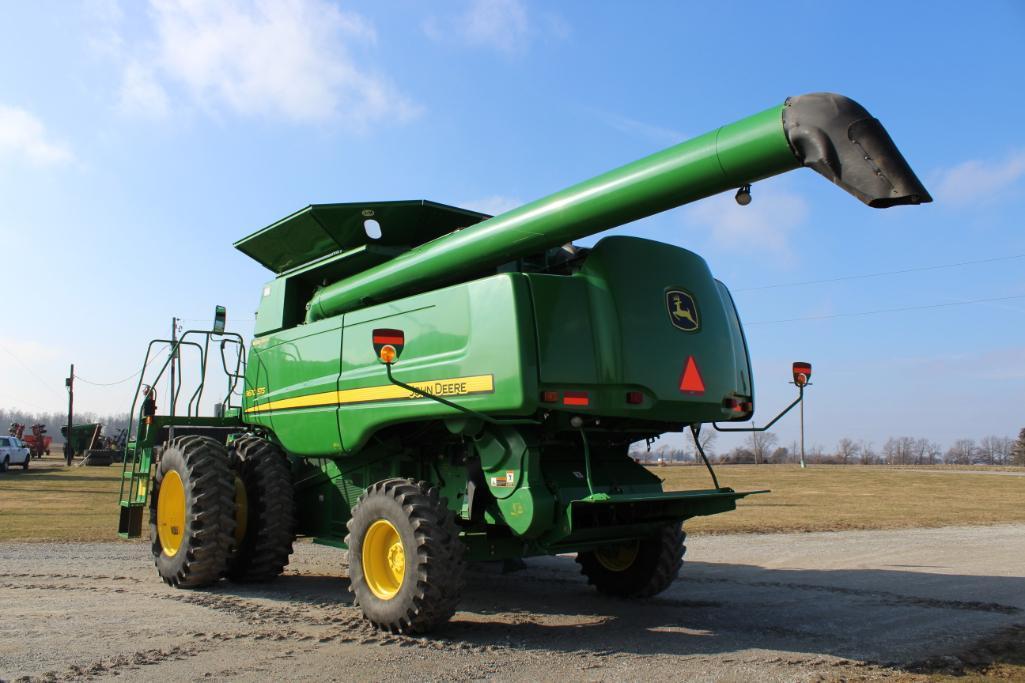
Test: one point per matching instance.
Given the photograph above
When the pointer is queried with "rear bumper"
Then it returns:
(602, 511)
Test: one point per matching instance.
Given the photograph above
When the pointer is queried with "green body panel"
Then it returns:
(477, 329)
(298, 362)
(607, 330)
(321, 390)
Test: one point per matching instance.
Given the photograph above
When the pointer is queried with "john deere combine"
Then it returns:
(429, 385)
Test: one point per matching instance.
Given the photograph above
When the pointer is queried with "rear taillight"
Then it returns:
(576, 398)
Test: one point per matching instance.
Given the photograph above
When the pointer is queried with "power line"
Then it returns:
(28, 369)
(887, 310)
(156, 355)
(881, 273)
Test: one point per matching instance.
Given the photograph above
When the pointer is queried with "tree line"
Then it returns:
(54, 421)
(764, 447)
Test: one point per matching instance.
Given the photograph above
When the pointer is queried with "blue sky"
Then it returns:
(139, 140)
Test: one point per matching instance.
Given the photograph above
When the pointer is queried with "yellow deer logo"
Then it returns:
(683, 312)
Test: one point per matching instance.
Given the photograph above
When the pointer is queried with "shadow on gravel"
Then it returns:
(889, 617)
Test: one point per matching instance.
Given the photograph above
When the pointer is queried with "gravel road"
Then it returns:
(746, 607)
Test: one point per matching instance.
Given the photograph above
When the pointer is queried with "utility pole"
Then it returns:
(802, 435)
(70, 384)
(174, 356)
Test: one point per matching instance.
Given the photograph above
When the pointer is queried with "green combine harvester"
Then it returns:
(429, 386)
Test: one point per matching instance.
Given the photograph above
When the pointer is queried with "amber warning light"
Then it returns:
(802, 373)
(388, 344)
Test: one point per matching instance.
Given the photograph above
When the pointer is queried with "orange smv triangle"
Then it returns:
(691, 380)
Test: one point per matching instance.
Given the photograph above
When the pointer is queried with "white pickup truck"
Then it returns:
(13, 452)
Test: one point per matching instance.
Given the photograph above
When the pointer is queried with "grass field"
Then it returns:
(834, 498)
(53, 503)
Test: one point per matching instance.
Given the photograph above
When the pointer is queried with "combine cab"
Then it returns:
(429, 385)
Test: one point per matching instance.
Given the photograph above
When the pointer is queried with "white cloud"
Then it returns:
(765, 224)
(141, 94)
(285, 59)
(493, 205)
(977, 181)
(498, 23)
(22, 135)
(502, 25)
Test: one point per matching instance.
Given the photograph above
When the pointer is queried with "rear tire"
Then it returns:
(636, 570)
(5, 464)
(192, 512)
(406, 565)
(268, 530)
(24, 465)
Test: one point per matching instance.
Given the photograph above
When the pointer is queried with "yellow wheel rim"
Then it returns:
(241, 510)
(384, 559)
(619, 557)
(171, 513)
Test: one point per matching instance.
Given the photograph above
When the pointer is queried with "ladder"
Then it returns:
(136, 476)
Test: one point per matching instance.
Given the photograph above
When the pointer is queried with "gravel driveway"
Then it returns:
(747, 607)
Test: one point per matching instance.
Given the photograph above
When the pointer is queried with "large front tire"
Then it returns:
(192, 512)
(265, 514)
(636, 569)
(406, 564)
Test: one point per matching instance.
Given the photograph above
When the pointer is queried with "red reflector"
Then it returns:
(388, 340)
(576, 398)
(634, 397)
(691, 381)
(549, 396)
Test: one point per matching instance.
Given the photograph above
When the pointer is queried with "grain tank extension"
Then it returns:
(429, 385)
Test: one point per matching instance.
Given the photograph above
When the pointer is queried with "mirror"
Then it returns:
(220, 317)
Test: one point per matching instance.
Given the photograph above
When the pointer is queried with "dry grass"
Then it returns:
(834, 498)
(51, 502)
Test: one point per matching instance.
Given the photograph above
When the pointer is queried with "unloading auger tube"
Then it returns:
(828, 133)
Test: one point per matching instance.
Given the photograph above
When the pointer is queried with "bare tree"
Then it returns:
(995, 450)
(868, 453)
(707, 440)
(847, 450)
(899, 450)
(926, 452)
(963, 452)
(760, 444)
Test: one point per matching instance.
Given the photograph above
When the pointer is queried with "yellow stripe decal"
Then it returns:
(455, 386)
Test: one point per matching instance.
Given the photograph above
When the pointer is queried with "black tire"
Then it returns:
(432, 583)
(269, 530)
(5, 464)
(653, 568)
(24, 465)
(201, 558)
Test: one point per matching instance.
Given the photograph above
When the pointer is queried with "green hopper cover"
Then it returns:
(323, 229)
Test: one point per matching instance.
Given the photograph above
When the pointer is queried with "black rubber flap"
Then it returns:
(837, 137)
